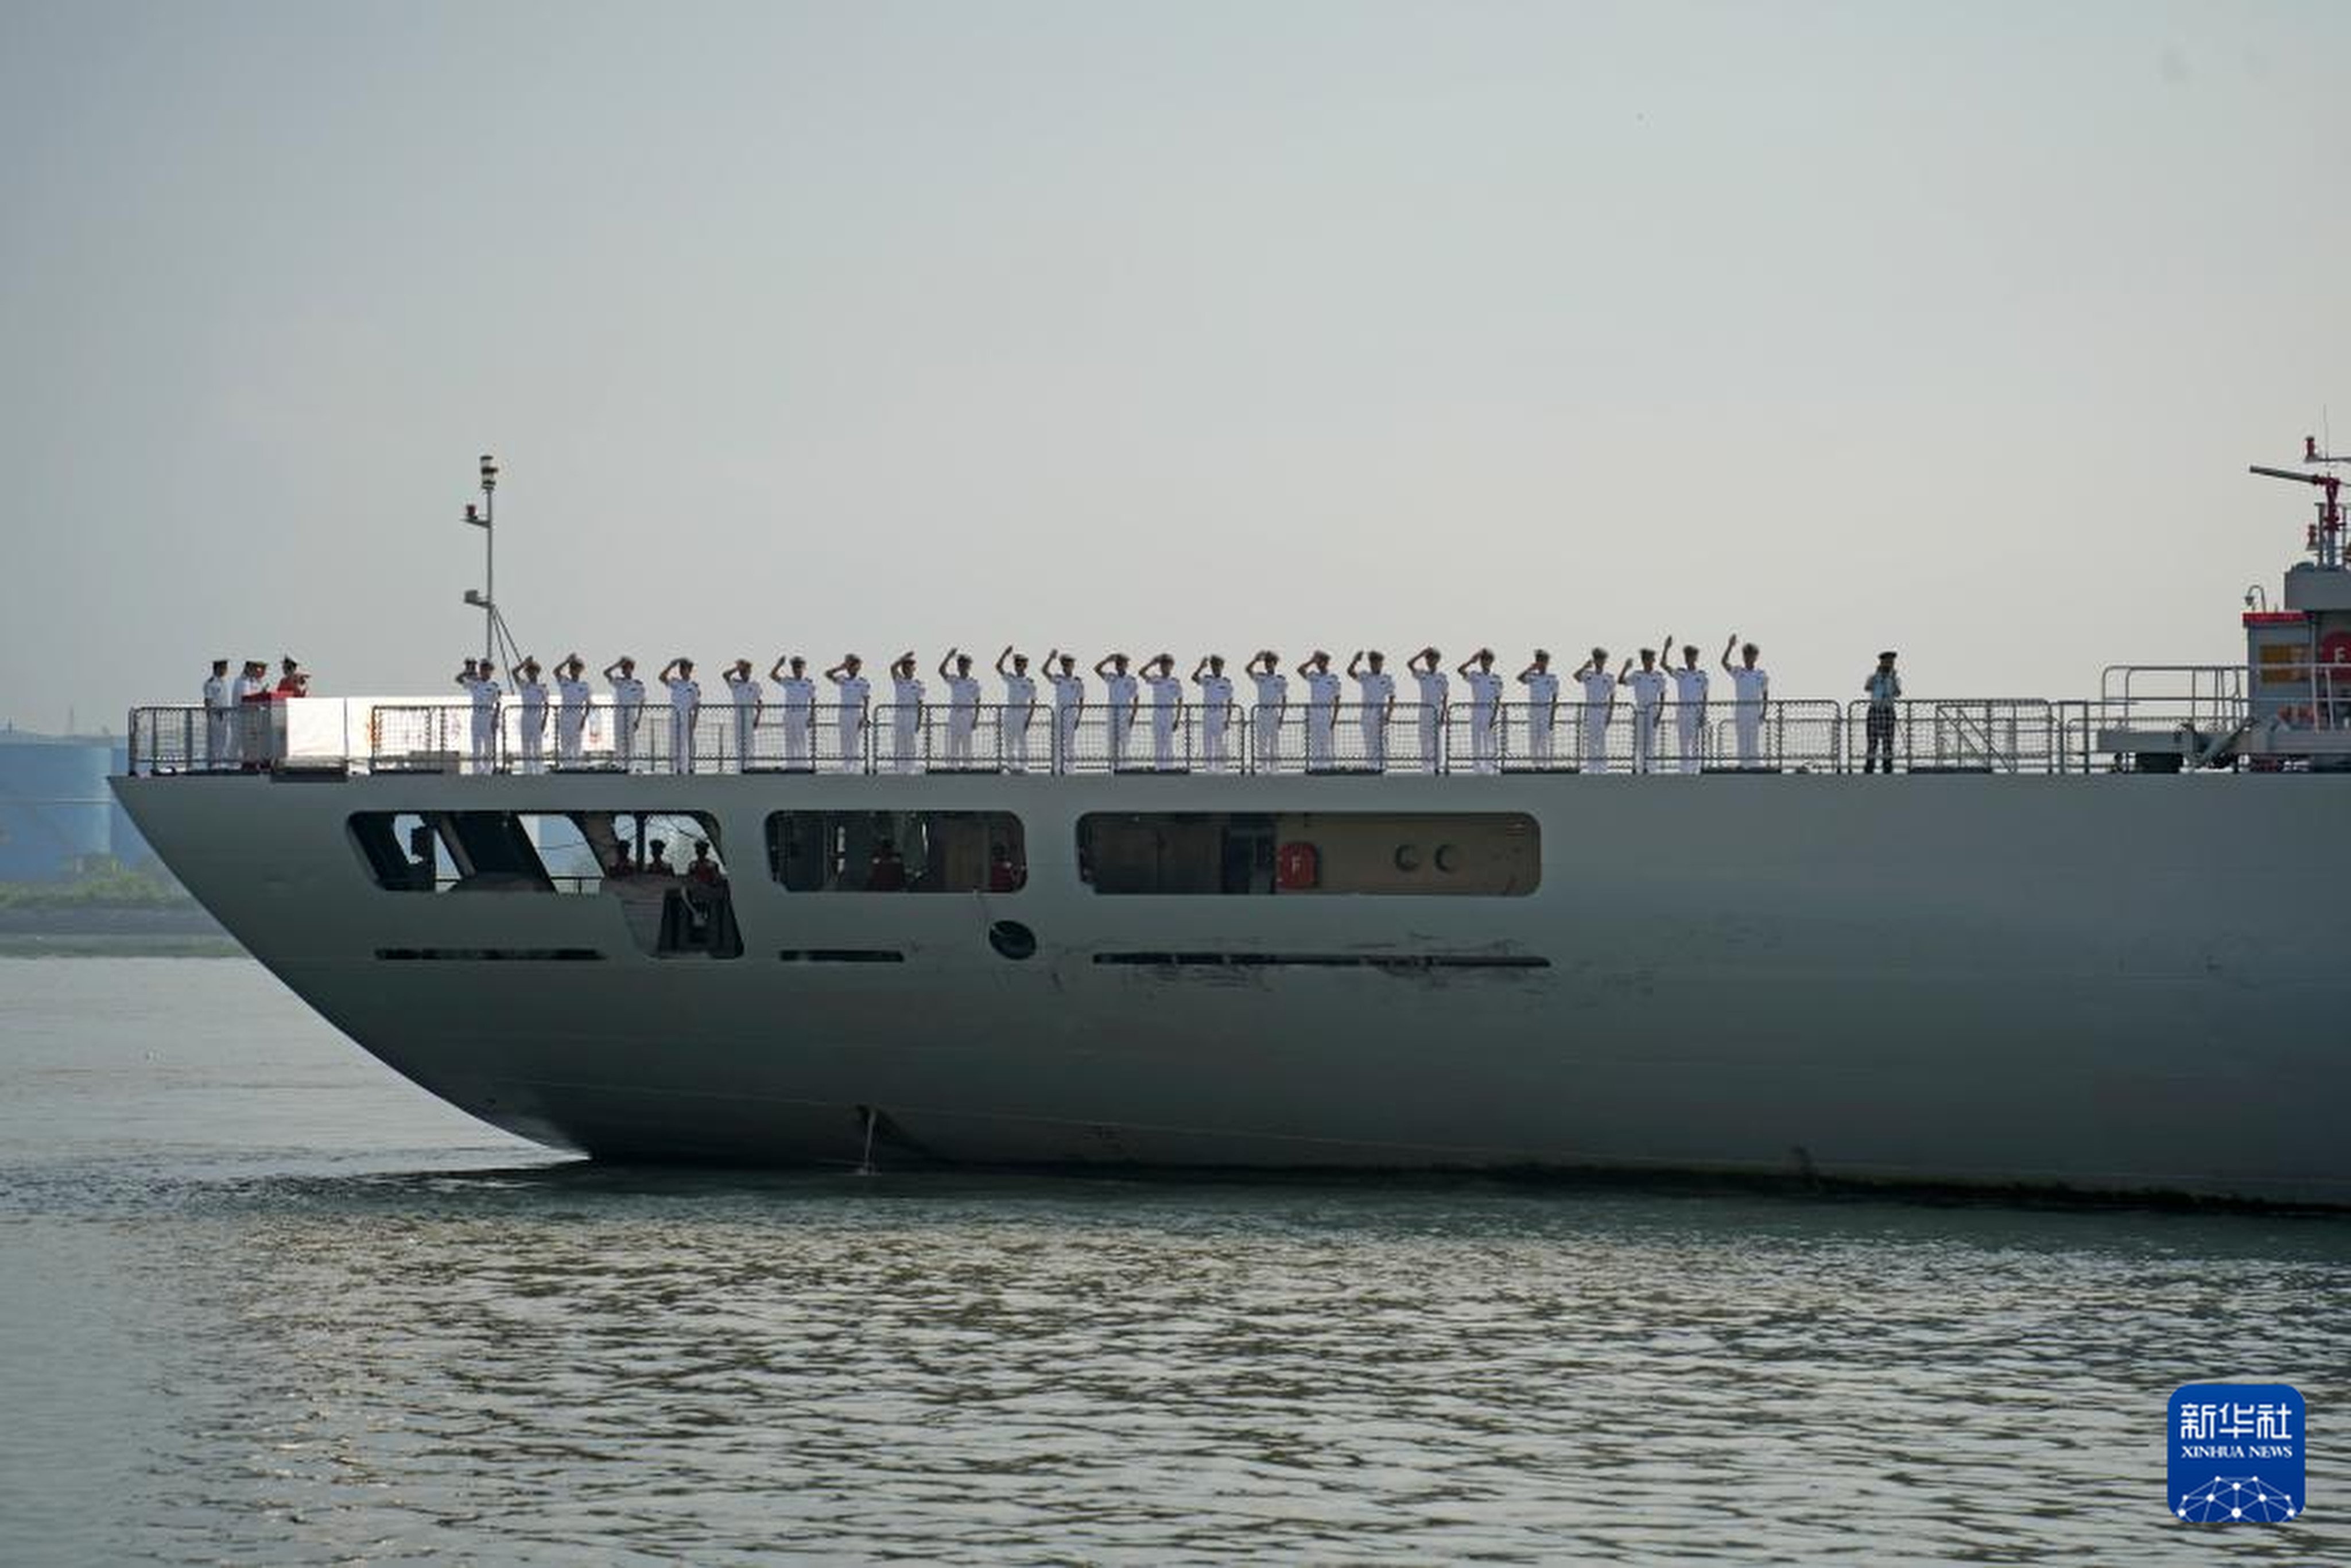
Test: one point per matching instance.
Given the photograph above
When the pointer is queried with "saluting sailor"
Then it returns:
(1321, 708)
(799, 695)
(906, 712)
(1751, 691)
(1648, 683)
(1599, 702)
(854, 692)
(963, 705)
(571, 709)
(1433, 689)
(1215, 710)
(1120, 698)
(1019, 707)
(1069, 703)
(1166, 709)
(1543, 706)
(750, 701)
(1378, 690)
(1690, 684)
(1272, 704)
(479, 677)
(530, 724)
(217, 713)
(628, 702)
(685, 707)
(1485, 709)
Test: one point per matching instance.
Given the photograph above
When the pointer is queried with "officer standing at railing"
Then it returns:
(1599, 702)
(1069, 703)
(1543, 706)
(219, 711)
(1120, 698)
(1273, 702)
(1377, 689)
(479, 677)
(1428, 674)
(1166, 708)
(799, 695)
(963, 706)
(1019, 708)
(749, 702)
(628, 702)
(1691, 685)
(530, 721)
(1215, 710)
(571, 709)
(906, 712)
(1321, 708)
(1884, 689)
(684, 706)
(1751, 690)
(854, 692)
(1648, 683)
(1485, 709)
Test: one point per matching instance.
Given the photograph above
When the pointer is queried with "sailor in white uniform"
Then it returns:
(685, 707)
(1751, 691)
(1542, 707)
(1166, 710)
(1429, 674)
(1321, 708)
(1019, 707)
(963, 706)
(479, 677)
(1216, 710)
(571, 709)
(1690, 684)
(798, 694)
(1648, 683)
(218, 712)
(1119, 699)
(750, 700)
(628, 702)
(530, 721)
(1377, 688)
(853, 693)
(248, 717)
(1485, 709)
(1272, 707)
(1068, 704)
(905, 713)
(1599, 703)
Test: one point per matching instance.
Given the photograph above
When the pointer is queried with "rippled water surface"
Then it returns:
(262, 1302)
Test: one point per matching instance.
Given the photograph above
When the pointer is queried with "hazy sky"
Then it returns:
(1201, 325)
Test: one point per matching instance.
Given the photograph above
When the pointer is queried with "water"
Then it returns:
(261, 1302)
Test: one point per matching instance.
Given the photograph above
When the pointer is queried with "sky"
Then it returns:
(1111, 324)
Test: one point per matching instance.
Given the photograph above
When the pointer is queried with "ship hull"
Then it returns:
(2119, 984)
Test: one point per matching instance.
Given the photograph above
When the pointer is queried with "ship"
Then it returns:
(2085, 946)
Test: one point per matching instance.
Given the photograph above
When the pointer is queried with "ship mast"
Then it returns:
(2324, 540)
(497, 643)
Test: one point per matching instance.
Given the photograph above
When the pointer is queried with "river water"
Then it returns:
(262, 1302)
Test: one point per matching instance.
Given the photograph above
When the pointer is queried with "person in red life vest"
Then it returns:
(292, 680)
(1003, 875)
(888, 871)
(703, 869)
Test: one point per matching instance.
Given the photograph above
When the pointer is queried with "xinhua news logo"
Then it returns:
(2236, 1453)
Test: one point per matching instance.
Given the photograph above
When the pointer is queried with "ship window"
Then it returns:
(897, 851)
(1290, 854)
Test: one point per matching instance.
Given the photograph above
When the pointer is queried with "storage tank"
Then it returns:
(54, 806)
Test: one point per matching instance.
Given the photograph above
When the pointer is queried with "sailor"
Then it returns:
(1377, 689)
(571, 709)
(963, 706)
(1215, 710)
(1485, 708)
(1434, 688)
(749, 700)
(1599, 703)
(1321, 708)
(245, 696)
(479, 677)
(905, 713)
(1119, 698)
(853, 693)
(293, 681)
(1884, 689)
(798, 693)
(1019, 707)
(218, 713)
(530, 723)
(1068, 704)
(1543, 706)
(628, 702)
(1689, 708)
(685, 707)
(1751, 691)
(1648, 683)
(1166, 709)
(1272, 707)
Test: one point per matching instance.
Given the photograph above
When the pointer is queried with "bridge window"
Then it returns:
(897, 851)
(1414, 853)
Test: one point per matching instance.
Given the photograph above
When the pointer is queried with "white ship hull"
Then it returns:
(2123, 984)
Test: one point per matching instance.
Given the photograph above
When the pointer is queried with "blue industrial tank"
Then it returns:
(54, 806)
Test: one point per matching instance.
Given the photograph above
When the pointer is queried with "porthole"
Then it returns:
(1012, 939)
(1448, 859)
(1407, 857)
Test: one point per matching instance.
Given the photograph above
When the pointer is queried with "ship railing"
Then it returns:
(1963, 735)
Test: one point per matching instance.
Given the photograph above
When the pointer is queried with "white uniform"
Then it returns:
(745, 689)
(628, 702)
(1750, 690)
(1216, 712)
(486, 695)
(1020, 711)
(799, 695)
(1485, 698)
(218, 748)
(1322, 715)
(1599, 696)
(1543, 706)
(531, 725)
(1689, 716)
(1118, 693)
(905, 722)
(1272, 693)
(1648, 699)
(1433, 689)
(1167, 700)
(571, 717)
(855, 692)
(1378, 688)
(684, 706)
(963, 717)
(1068, 702)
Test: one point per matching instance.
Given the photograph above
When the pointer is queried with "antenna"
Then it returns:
(2324, 540)
(497, 643)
